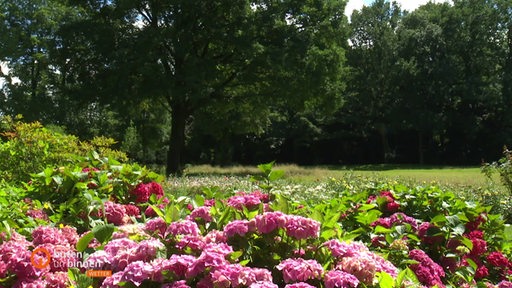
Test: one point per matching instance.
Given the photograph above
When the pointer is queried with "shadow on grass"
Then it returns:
(386, 167)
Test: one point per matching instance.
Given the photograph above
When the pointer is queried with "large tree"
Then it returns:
(214, 57)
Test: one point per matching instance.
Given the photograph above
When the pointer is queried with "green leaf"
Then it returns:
(385, 280)
(275, 175)
(103, 232)
(83, 242)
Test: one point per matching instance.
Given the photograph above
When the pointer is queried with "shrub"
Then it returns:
(27, 148)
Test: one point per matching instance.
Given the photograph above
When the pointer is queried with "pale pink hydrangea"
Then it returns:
(363, 268)
(215, 236)
(112, 281)
(270, 221)
(299, 269)
(202, 212)
(115, 246)
(236, 227)
(235, 275)
(340, 279)
(504, 284)
(300, 227)
(57, 280)
(99, 259)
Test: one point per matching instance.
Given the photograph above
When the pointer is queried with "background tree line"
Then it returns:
(224, 82)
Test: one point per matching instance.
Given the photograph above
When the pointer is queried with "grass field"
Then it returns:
(456, 176)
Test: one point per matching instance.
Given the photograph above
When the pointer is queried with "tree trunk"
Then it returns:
(421, 154)
(177, 140)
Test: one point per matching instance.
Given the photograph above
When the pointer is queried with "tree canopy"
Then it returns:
(247, 81)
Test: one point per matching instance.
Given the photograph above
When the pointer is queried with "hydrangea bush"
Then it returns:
(119, 218)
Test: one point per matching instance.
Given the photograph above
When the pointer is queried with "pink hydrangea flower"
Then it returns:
(202, 212)
(137, 272)
(57, 280)
(48, 235)
(263, 284)
(242, 199)
(236, 227)
(299, 269)
(156, 226)
(340, 279)
(300, 227)
(178, 265)
(270, 221)
(116, 213)
(497, 259)
(299, 285)
(177, 284)
(185, 227)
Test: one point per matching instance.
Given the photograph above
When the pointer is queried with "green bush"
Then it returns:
(27, 148)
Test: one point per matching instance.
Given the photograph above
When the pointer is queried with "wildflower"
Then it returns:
(298, 269)
(336, 278)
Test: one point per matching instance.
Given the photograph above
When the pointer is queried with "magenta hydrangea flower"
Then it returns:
(116, 213)
(143, 191)
(156, 226)
(497, 259)
(48, 235)
(177, 265)
(340, 279)
(300, 227)
(37, 214)
(99, 259)
(215, 236)
(299, 269)
(427, 271)
(236, 227)
(132, 210)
